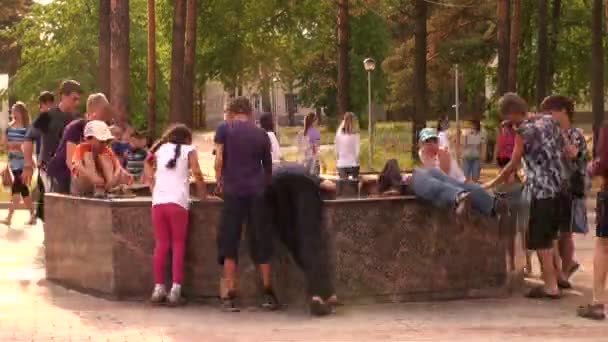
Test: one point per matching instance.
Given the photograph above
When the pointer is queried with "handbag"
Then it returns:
(579, 223)
(7, 178)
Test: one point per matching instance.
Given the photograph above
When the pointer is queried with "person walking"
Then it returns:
(167, 171)
(243, 162)
(348, 148)
(473, 151)
(309, 143)
(540, 145)
(267, 124)
(13, 140)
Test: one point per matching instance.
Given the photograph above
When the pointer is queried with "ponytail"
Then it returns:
(178, 151)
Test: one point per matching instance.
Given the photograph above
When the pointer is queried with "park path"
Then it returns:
(33, 310)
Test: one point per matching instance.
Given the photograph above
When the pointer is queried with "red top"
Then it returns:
(506, 142)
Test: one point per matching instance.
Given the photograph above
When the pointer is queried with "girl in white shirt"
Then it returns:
(347, 146)
(267, 123)
(167, 170)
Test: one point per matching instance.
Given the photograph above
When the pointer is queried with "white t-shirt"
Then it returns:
(275, 148)
(444, 140)
(347, 150)
(455, 170)
(472, 143)
(172, 185)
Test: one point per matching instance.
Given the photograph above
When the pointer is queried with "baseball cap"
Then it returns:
(427, 133)
(98, 130)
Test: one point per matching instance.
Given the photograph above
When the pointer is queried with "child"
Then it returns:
(95, 168)
(119, 146)
(136, 155)
(167, 170)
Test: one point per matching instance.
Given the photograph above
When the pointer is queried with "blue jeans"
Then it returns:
(441, 190)
(471, 168)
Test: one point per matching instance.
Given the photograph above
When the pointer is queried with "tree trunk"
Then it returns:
(151, 71)
(343, 65)
(420, 86)
(542, 75)
(515, 37)
(177, 62)
(105, 38)
(597, 69)
(189, 62)
(503, 46)
(555, 18)
(119, 62)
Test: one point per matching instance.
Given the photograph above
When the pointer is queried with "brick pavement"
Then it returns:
(33, 310)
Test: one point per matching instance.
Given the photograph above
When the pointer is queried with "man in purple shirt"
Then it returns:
(244, 167)
(98, 108)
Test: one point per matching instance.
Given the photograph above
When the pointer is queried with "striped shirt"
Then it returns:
(15, 158)
(135, 161)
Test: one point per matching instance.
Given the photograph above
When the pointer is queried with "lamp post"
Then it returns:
(275, 81)
(457, 108)
(370, 65)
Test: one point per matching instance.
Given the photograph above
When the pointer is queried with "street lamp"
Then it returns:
(370, 65)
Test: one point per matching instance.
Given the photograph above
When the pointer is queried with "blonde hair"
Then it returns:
(21, 108)
(96, 101)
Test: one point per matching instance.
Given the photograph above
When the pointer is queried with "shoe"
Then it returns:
(319, 308)
(269, 300)
(175, 295)
(229, 302)
(592, 311)
(462, 204)
(159, 295)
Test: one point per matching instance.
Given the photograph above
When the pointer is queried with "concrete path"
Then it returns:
(33, 310)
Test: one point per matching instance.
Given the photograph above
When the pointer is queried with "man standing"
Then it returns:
(244, 167)
(48, 127)
(539, 144)
(98, 108)
(599, 167)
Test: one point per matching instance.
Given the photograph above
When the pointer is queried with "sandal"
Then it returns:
(334, 301)
(592, 311)
(564, 284)
(572, 270)
(540, 293)
(319, 308)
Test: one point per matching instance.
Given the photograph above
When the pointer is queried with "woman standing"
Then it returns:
(347, 147)
(310, 143)
(267, 123)
(473, 150)
(173, 157)
(14, 138)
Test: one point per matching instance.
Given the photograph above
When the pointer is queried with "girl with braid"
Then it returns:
(167, 170)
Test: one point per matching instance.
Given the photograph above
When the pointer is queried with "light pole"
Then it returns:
(370, 65)
(457, 108)
(275, 81)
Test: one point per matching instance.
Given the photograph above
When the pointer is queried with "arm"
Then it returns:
(445, 161)
(195, 168)
(511, 167)
(70, 147)
(219, 161)
(149, 171)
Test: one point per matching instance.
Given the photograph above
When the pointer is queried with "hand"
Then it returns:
(26, 176)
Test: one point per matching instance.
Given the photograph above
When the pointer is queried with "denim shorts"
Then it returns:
(601, 229)
(471, 168)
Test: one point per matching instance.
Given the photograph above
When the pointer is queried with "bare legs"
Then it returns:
(600, 270)
(549, 272)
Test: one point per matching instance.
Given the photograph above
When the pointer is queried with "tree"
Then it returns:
(420, 85)
(514, 44)
(151, 117)
(343, 50)
(119, 63)
(503, 45)
(554, 37)
(177, 62)
(103, 79)
(189, 61)
(597, 68)
(542, 75)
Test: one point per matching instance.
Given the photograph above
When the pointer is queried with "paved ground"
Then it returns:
(33, 310)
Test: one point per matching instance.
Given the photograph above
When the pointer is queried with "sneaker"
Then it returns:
(229, 302)
(319, 308)
(462, 204)
(175, 295)
(269, 300)
(159, 295)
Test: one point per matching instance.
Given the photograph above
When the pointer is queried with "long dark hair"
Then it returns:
(309, 119)
(178, 134)
(266, 122)
(390, 177)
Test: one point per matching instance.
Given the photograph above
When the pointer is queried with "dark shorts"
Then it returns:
(601, 230)
(240, 210)
(544, 223)
(19, 188)
(502, 162)
(61, 186)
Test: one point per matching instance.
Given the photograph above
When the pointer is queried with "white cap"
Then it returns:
(98, 130)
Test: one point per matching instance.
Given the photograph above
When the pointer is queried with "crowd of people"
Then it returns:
(88, 156)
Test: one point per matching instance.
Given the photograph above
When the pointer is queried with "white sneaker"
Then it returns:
(159, 295)
(175, 295)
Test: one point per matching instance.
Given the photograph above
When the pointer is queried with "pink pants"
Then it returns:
(170, 232)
